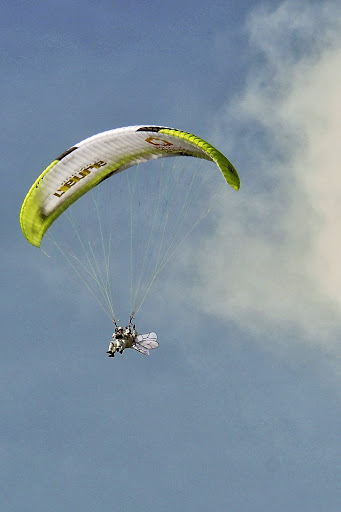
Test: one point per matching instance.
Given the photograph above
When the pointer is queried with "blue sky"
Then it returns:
(239, 408)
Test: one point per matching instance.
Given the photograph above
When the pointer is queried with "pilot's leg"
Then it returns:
(111, 349)
(121, 347)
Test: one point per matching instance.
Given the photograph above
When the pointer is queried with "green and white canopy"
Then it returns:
(101, 156)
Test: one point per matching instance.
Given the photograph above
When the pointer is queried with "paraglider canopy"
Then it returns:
(88, 163)
(126, 229)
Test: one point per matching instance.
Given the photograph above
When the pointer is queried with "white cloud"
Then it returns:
(274, 262)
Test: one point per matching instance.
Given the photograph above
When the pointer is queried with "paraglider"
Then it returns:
(129, 338)
(167, 217)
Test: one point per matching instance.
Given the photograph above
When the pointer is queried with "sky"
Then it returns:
(239, 408)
